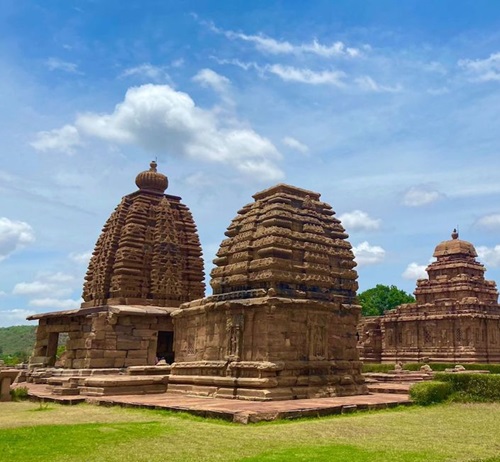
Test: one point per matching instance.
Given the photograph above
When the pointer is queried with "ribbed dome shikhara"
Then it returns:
(148, 253)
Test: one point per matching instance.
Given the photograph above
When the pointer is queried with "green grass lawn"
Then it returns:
(456, 432)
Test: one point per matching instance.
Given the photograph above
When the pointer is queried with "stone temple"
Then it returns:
(146, 262)
(281, 322)
(456, 317)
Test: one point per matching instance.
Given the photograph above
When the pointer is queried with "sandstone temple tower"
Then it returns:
(281, 323)
(456, 317)
(146, 262)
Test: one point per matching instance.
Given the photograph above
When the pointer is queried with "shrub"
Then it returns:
(473, 387)
(425, 393)
(19, 393)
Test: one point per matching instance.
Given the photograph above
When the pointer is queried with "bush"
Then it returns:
(19, 393)
(425, 393)
(472, 387)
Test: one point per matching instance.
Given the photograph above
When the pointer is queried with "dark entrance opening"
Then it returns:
(165, 346)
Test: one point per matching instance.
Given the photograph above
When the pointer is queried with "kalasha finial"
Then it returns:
(454, 234)
(152, 180)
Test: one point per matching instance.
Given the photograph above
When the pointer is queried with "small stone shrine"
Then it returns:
(146, 262)
(456, 316)
(281, 323)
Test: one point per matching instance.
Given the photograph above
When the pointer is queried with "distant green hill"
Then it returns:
(17, 339)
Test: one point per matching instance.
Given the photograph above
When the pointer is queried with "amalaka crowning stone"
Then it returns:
(281, 323)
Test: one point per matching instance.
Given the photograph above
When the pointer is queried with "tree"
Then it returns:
(381, 298)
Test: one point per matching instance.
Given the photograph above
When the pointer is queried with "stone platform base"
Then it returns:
(267, 381)
(237, 411)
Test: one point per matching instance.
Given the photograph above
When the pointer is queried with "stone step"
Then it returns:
(62, 391)
(123, 390)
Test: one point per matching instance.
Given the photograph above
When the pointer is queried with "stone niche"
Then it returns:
(146, 262)
(456, 316)
(281, 323)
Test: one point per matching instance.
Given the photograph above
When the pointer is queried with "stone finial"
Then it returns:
(454, 234)
(152, 180)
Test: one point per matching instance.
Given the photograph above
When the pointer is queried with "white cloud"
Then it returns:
(14, 235)
(295, 144)
(148, 71)
(14, 317)
(416, 196)
(304, 75)
(359, 220)
(489, 222)
(65, 304)
(199, 180)
(366, 83)
(276, 47)
(56, 64)
(50, 284)
(82, 258)
(210, 78)
(415, 271)
(63, 139)
(482, 70)
(160, 119)
(490, 256)
(366, 254)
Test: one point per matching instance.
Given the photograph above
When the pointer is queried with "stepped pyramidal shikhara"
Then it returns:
(146, 263)
(281, 323)
(456, 316)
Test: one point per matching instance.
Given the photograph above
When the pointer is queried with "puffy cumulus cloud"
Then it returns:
(64, 139)
(160, 119)
(489, 256)
(482, 70)
(210, 78)
(13, 236)
(358, 220)
(14, 317)
(415, 271)
(81, 258)
(276, 47)
(50, 284)
(366, 254)
(295, 144)
(308, 76)
(147, 71)
(62, 304)
(489, 222)
(417, 196)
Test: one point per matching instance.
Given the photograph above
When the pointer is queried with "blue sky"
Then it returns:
(389, 109)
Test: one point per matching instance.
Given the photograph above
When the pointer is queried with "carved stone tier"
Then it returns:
(282, 321)
(148, 253)
(288, 241)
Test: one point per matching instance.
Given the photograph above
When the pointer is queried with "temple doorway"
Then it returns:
(165, 346)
